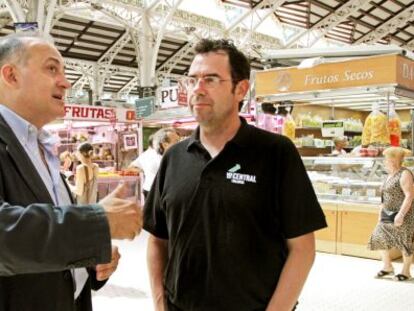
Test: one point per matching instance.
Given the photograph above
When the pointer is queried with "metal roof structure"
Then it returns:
(117, 45)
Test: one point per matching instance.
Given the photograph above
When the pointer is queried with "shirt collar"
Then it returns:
(241, 138)
(26, 132)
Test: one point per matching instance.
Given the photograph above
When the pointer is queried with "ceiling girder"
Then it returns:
(389, 26)
(272, 6)
(128, 87)
(16, 10)
(329, 22)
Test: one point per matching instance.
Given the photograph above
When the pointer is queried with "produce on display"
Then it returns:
(394, 125)
(289, 127)
(376, 130)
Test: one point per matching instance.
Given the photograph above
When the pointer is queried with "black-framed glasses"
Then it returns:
(209, 82)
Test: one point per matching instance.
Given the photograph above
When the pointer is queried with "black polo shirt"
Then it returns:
(227, 218)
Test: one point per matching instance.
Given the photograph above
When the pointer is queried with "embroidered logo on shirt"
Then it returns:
(238, 178)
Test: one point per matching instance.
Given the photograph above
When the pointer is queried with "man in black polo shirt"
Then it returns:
(232, 211)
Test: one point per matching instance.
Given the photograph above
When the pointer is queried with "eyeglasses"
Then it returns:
(209, 82)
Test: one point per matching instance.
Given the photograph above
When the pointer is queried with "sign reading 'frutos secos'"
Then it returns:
(345, 76)
(361, 72)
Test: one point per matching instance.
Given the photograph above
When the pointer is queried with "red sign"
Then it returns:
(182, 95)
(95, 113)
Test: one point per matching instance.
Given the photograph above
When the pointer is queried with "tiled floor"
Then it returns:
(336, 283)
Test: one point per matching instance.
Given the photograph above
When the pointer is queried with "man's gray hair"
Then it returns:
(14, 46)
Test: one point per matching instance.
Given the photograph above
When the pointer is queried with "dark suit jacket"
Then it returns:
(20, 187)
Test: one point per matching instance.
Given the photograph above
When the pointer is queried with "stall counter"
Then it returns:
(349, 228)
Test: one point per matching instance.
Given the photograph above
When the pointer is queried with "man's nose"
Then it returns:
(199, 86)
(64, 82)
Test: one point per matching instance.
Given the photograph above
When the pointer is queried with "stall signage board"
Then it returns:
(332, 128)
(98, 113)
(144, 106)
(169, 97)
(375, 70)
(405, 72)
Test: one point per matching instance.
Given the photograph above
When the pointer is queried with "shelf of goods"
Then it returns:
(339, 90)
(114, 132)
(348, 190)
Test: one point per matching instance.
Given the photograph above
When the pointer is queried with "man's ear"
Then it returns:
(9, 75)
(241, 89)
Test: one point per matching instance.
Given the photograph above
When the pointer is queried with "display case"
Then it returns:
(349, 191)
(347, 179)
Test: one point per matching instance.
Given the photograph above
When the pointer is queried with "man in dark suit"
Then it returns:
(37, 214)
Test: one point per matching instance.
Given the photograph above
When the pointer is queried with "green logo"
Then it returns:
(235, 168)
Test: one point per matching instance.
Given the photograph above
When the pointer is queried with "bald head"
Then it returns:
(13, 48)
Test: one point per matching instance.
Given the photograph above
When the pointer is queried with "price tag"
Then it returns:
(332, 128)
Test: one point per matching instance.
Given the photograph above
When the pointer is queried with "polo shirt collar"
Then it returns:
(241, 138)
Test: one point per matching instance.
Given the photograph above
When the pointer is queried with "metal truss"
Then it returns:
(127, 88)
(173, 8)
(258, 17)
(153, 5)
(329, 22)
(183, 19)
(169, 65)
(126, 13)
(388, 27)
(87, 67)
(106, 60)
(16, 10)
(110, 54)
(79, 84)
(96, 74)
(258, 14)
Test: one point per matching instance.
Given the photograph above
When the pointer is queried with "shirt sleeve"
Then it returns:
(155, 221)
(43, 238)
(137, 163)
(300, 211)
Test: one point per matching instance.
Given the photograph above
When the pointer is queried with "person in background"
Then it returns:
(86, 178)
(46, 240)
(226, 233)
(339, 144)
(164, 138)
(395, 226)
(149, 161)
(66, 160)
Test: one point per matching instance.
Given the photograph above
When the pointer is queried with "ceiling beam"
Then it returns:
(329, 22)
(272, 6)
(128, 87)
(388, 27)
(15, 10)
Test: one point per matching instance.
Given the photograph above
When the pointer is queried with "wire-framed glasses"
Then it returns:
(207, 81)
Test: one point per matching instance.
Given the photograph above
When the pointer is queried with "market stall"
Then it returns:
(116, 137)
(347, 188)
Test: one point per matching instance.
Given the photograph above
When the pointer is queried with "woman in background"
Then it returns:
(86, 184)
(340, 143)
(395, 226)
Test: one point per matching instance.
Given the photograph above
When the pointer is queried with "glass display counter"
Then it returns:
(349, 191)
(356, 180)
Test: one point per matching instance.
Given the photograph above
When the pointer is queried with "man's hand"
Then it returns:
(104, 271)
(124, 216)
